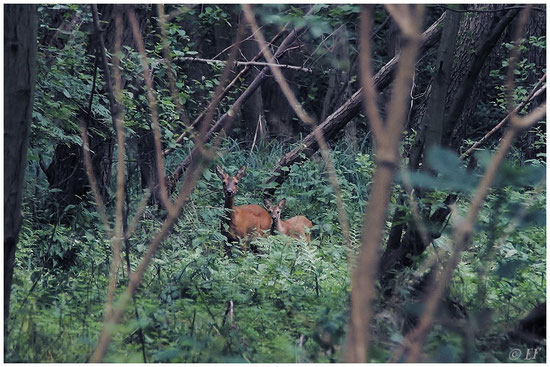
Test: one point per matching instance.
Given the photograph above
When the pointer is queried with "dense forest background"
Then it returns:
(413, 137)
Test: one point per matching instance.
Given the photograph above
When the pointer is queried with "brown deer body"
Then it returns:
(296, 227)
(241, 221)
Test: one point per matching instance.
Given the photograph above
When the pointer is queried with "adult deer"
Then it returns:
(243, 221)
(293, 227)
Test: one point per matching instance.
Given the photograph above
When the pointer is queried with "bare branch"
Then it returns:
(535, 92)
(483, 11)
(367, 82)
(228, 117)
(139, 211)
(534, 117)
(153, 108)
(364, 275)
(247, 63)
(105, 65)
(339, 118)
(91, 178)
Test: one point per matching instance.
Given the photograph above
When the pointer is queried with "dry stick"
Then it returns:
(115, 116)
(306, 119)
(139, 211)
(88, 160)
(107, 74)
(202, 139)
(119, 235)
(222, 95)
(91, 177)
(387, 155)
(197, 165)
(152, 107)
(245, 63)
(538, 90)
(463, 231)
(367, 81)
(235, 44)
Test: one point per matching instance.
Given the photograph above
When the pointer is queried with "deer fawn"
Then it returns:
(246, 220)
(293, 227)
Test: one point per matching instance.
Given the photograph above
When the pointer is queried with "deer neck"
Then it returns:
(278, 225)
(228, 209)
(229, 202)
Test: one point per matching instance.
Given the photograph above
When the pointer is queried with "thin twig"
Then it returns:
(139, 211)
(88, 160)
(535, 92)
(245, 63)
(482, 11)
(105, 64)
(153, 108)
(367, 82)
(234, 44)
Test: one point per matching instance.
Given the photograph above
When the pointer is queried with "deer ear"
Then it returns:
(240, 173)
(267, 203)
(221, 174)
(282, 203)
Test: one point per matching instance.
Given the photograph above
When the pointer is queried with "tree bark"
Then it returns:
(339, 89)
(536, 56)
(396, 256)
(335, 122)
(66, 173)
(430, 131)
(456, 121)
(20, 38)
(253, 109)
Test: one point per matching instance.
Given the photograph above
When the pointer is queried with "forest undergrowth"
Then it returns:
(289, 302)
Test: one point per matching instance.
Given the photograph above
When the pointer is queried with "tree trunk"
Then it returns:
(431, 127)
(253, 119)
(537, 56)
(66, 173)
(470, 76)
(339, 88)
(20, 38)
(463, 93)
(280, 117)
(147, 163)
